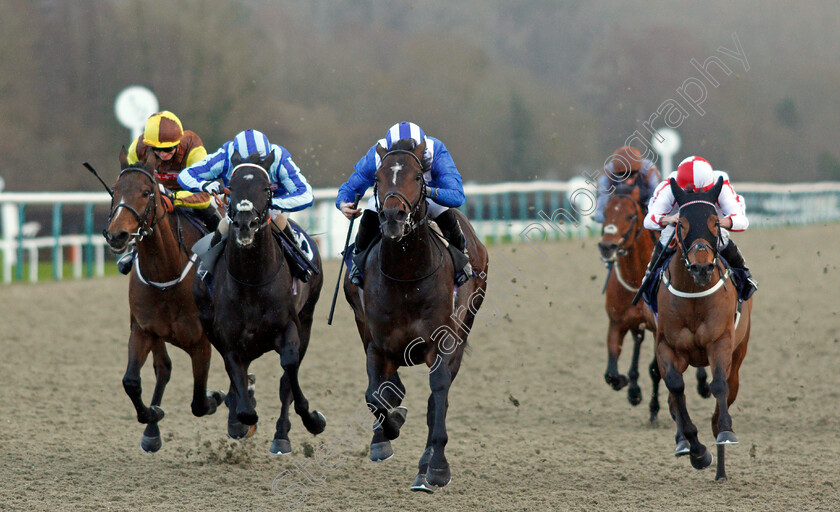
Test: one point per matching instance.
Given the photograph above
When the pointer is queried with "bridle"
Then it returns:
(143, 230)
(263, 214)
(412, 207)
(698, 245)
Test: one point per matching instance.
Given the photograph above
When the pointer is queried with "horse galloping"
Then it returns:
(409, 311)
(159, 292)
(625, 245)
(255, 306)
(701, 324)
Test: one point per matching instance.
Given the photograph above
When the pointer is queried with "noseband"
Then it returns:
(142, 220)
(411, 206)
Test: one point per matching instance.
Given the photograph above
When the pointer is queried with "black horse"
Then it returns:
(409, 313)
(255, 306)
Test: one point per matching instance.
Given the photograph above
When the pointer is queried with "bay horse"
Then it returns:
(409, 311)
(159, 292)
(700, 324)
(256, 307)
(627, 245)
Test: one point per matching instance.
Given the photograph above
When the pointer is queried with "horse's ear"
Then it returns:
(381, 151)
(268, 160)
(151, 162)
(235, 159)
(123, 158)
(679, 194)
(715, 192)
(420, 149)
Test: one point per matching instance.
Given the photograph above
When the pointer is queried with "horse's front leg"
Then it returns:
(655, 378)
(725, 388)
(615, 337)
(243, 408)
(386, 426)
(440, 380)
(151, 441)
(203, 403)
(139, 344)
(673, 369)
(634, 393)
(289, 348)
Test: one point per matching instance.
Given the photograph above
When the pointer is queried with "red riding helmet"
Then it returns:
(695, 174)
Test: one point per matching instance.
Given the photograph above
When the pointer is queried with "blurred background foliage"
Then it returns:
(518, 90)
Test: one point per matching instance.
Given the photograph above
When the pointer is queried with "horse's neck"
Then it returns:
(160, 254)
(410, 257)
(258, 260)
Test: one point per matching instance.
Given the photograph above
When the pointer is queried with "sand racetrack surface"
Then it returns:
(532, 425)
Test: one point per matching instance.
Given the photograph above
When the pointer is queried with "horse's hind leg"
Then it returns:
(655, 378)
(139, 345)
(380, 397)
(703, 383)
(634, 393)
(203, 403)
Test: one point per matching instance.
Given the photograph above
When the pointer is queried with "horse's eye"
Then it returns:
(418, 178)
(146, 193)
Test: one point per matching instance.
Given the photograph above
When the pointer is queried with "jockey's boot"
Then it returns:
(451, 228)
(368, 228)
(209, 216)
(735, 259)
(126, 261)
(296, 268)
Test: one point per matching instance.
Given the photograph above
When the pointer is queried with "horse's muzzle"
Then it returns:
(608, 251)
(117, 241)
(392, 222)
(701, 272)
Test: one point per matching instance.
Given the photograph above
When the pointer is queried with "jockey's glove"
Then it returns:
(212, 187)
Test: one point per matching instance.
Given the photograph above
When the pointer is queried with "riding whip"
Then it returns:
(93, 171)
(341, 266)
(648, 275)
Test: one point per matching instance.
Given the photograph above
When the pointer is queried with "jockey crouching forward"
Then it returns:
(175, 148)
(290, 190)
(695, 174)
(627, 168)
(444, 191)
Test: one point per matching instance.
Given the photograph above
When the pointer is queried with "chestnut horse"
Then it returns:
(409, 311)
(700, 324)
(256, 307)
(627, 246)
(159, 293)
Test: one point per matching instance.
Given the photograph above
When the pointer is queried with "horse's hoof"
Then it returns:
(281, 447)
(150, 444)
(319, 423)
(726, 437)
(438, 477)
(634, 395)
(703, 389)
(703, 461)
(721, 478)
(616, 381)
(420, 484)
(239, 431)
(398, 415)
(155, 414)
(683, 448)
(381, 451)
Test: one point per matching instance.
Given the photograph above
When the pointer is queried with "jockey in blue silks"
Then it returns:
(290, 191)
(444, 190)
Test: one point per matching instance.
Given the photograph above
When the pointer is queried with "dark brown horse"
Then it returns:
(159, 293)
(255, 306)
(700, 324)
(409, 312)
(627, 245)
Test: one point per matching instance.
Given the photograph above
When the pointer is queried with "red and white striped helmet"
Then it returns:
(695, 172)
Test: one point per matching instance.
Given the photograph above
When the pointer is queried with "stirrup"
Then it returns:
(464, 275)
(125, 262)
(355, 275)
